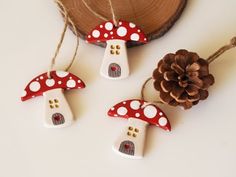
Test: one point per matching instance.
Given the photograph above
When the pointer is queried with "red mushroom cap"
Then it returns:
(126, 31)
(59, 79)
(140, 109)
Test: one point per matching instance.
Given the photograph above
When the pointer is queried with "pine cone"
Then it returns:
(182, 79)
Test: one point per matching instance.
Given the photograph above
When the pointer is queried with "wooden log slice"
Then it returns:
(154, 17)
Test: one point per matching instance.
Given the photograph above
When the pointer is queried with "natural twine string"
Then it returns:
(67, 21)
(223, 49)
(114, 18)
(210, 59)
(143, 94)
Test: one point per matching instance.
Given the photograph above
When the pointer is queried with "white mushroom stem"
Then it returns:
(131, 142)
(57, 110)
(115, 62)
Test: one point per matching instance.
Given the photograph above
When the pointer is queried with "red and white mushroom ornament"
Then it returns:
(115, 62)
(140, 114)
(57, 110)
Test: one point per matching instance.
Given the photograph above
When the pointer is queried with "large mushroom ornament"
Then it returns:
(115, 62)
(140, 114)
(57, 110)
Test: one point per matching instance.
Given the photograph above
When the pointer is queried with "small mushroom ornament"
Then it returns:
(140, 114)
(57, 110)
(115, 62)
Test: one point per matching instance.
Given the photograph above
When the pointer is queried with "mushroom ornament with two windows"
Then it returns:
(140, 114)
(57, 110)
(182, 79)
(115, 62)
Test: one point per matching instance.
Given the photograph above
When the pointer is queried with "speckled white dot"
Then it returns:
(50, 82)
(108, 26)
(105, 35)
(34, 86)
(121, 31)
(134, 37)
(150, 111)
(95, 33)
(137, 114)
(132, 25)
(135, 104)
(59, 82)
(41, 77)
(162, 121)
(61, 73)
(122, 111)
(70, 83)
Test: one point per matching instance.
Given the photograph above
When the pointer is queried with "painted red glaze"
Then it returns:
(59, 79)
(126, 31)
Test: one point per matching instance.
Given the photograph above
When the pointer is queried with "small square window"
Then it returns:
(130, 128)
(112, 52)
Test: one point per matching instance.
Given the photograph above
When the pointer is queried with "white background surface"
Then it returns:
(202, 142)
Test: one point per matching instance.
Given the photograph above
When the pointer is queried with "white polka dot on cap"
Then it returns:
(34, 86)
(132, 25)
(121, 31)
(122, 111)
(150, 111)
(162, 121)
(61, 73)
(135, 104)
(134, 37)
(50, 82)
(70, 83)
(105, 35)
(95, 33)
(108, 26)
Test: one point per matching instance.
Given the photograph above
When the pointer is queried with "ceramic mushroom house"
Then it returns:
(57, 110)
(140, 114)
(115, 62)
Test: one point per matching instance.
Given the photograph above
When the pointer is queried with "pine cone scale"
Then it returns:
(192, 90)
(165, 97)
(177, 92)
(177, 68)
(170, 76)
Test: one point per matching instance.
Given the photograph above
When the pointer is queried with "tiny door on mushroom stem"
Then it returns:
(131, 141)
(127, 147)
(57, 111)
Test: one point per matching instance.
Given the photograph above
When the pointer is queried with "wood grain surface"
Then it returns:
(154, 17)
